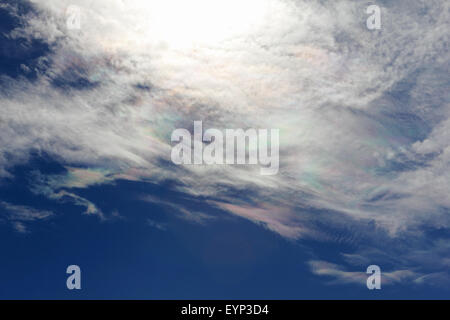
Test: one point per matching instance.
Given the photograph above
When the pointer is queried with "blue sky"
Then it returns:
(85, 171)
(126, 258)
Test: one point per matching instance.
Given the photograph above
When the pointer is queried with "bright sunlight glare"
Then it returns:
(181, 23)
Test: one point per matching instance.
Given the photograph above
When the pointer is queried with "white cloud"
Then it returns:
(20, 215)
(340, 275)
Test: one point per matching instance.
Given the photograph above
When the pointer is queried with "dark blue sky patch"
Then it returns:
(402, 163)
(19, 56)
(144, 86)
(23, 57)
(73, 78)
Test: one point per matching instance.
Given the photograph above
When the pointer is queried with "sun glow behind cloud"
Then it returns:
(180, 23)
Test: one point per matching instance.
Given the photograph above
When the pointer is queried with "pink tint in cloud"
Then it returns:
(279, 220)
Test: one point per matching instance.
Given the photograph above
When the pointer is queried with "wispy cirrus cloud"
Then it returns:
(20, 215)
(342, 276)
